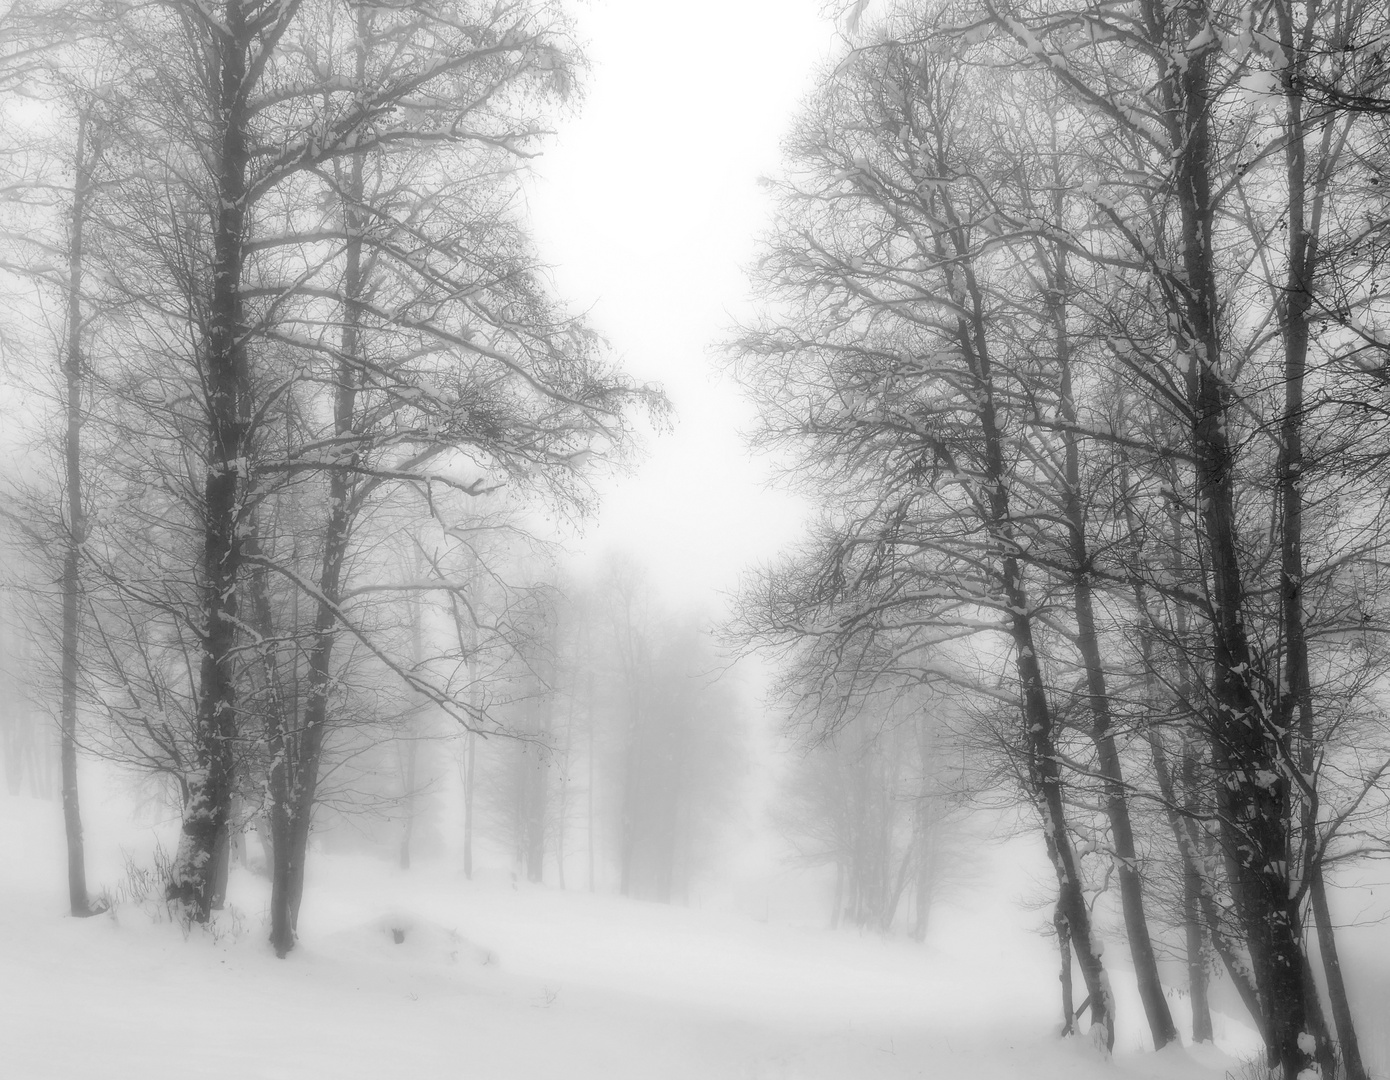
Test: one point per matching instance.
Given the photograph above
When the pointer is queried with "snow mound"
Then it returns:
(405, 935)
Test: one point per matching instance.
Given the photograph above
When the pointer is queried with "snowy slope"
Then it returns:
(500, 982)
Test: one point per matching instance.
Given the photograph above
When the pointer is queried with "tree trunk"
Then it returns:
(1253, 795)
(303, 762)
(279, 716)
(1059, 923)
(221, 868)
(1156, 1011)
(1304, 224)
(409, 764)
(1347, 1043)
(84, 163)
(227, 377)
(1044, 771)
(591, 836)
(471, 752)
(924, 829)
(1184, 831)
(1193, 884)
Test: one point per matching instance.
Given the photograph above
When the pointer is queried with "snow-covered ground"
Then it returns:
(496, 981)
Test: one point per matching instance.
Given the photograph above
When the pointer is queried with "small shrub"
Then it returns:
(144, 887)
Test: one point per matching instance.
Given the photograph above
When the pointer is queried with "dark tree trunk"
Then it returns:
(1193, 885)
(1252, 787)
(221, 868)
(228, 399)
(1197, 979)
(1059, 923)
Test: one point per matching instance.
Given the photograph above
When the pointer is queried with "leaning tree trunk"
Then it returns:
(1348, 1045)
(1156, 1011)
(1044, 771)
(1200, 907)
(84, 162)
(1046, 781)
(1201, 913)
(227, 379)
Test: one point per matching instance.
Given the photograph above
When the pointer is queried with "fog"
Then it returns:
(763, 540)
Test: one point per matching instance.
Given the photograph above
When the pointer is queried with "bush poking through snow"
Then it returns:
(143, 887)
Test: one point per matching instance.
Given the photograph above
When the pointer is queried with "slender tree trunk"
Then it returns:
(1197, 980)
(924, 833)
(1044, 770)
(1296, 698)
(533, 809)
(470, 748)
(562, 810)
(1156, 1011)
(302, 765)
(589, 786)
(1201, 914)
(1349, 1046)
(279, 718)
(409, 766)
(1193, 886)
(1184, 832)
(84, 163)
(472, 754)
(409, 750)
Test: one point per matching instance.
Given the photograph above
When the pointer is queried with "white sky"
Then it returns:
(647, 206)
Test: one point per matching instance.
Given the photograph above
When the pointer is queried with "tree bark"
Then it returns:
(1193, 884)
(1252, 788)
(228, 400)
(1059, 923)
(221, 868)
